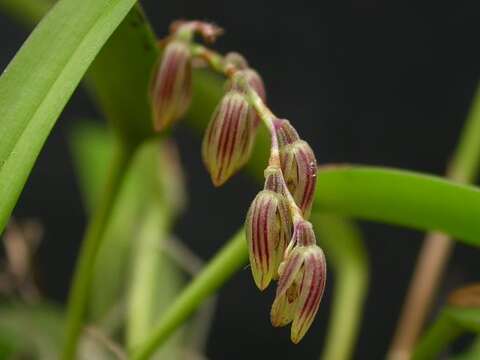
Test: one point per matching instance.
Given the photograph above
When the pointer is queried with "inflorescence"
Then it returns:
(281, 240)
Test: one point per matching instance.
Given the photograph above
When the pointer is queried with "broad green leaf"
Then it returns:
(41, 78)
(400, 197)
(120, 76)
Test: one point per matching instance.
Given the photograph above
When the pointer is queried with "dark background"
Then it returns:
(366, 81)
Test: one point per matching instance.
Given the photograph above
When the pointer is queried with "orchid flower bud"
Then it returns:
(268, 229)
(299, 167)
(229, 138)
(286, 133)
(300, 290)
(303, 234)
(171, 87)
(255, 81)
(236, 60)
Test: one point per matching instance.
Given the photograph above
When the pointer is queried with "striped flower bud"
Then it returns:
(268, 230)
(286, 133)
(299, 167)
(256, 82)
(171, 87)
(229, 138)
(300, 290)
(303, 234)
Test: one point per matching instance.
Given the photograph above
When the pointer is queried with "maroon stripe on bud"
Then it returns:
(286, 133)
(311, 292)
(309, 167)
(229, 138)
(266, 233)
(299, 168)
(290, 271)
(170, 90)
(261, 236)
(256, 83)
(274, 179)
(303, 234)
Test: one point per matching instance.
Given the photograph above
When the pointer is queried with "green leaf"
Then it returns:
(35, 330)
(452, 322)
(120, 76)
(140, 221)
(91, 148)
(155, 282)
(41, 78)
(402, 198)
(467, 318)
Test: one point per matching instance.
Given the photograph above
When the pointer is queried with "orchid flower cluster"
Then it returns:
(281, 240)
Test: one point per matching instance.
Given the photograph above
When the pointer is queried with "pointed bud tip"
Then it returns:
(286, 133)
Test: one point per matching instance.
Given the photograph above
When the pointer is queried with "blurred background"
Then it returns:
(364, 81)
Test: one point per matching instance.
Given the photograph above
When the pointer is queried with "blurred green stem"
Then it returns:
(82, 279)
(141, 305)
(225, 263)
(345, 251)
(441, 333)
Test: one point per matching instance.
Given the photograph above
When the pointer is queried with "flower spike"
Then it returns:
(171, 87)
(281, 242)
(229, 138)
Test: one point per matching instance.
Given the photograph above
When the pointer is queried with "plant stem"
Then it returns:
(225, 263)
(442, 332)
(437, 247)
(345, 251)
(141, 301)
(82, 279)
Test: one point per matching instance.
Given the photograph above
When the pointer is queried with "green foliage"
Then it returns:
(401, 198)
(41, 78)
(35, 88)
(132, 270)
(452, 322)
